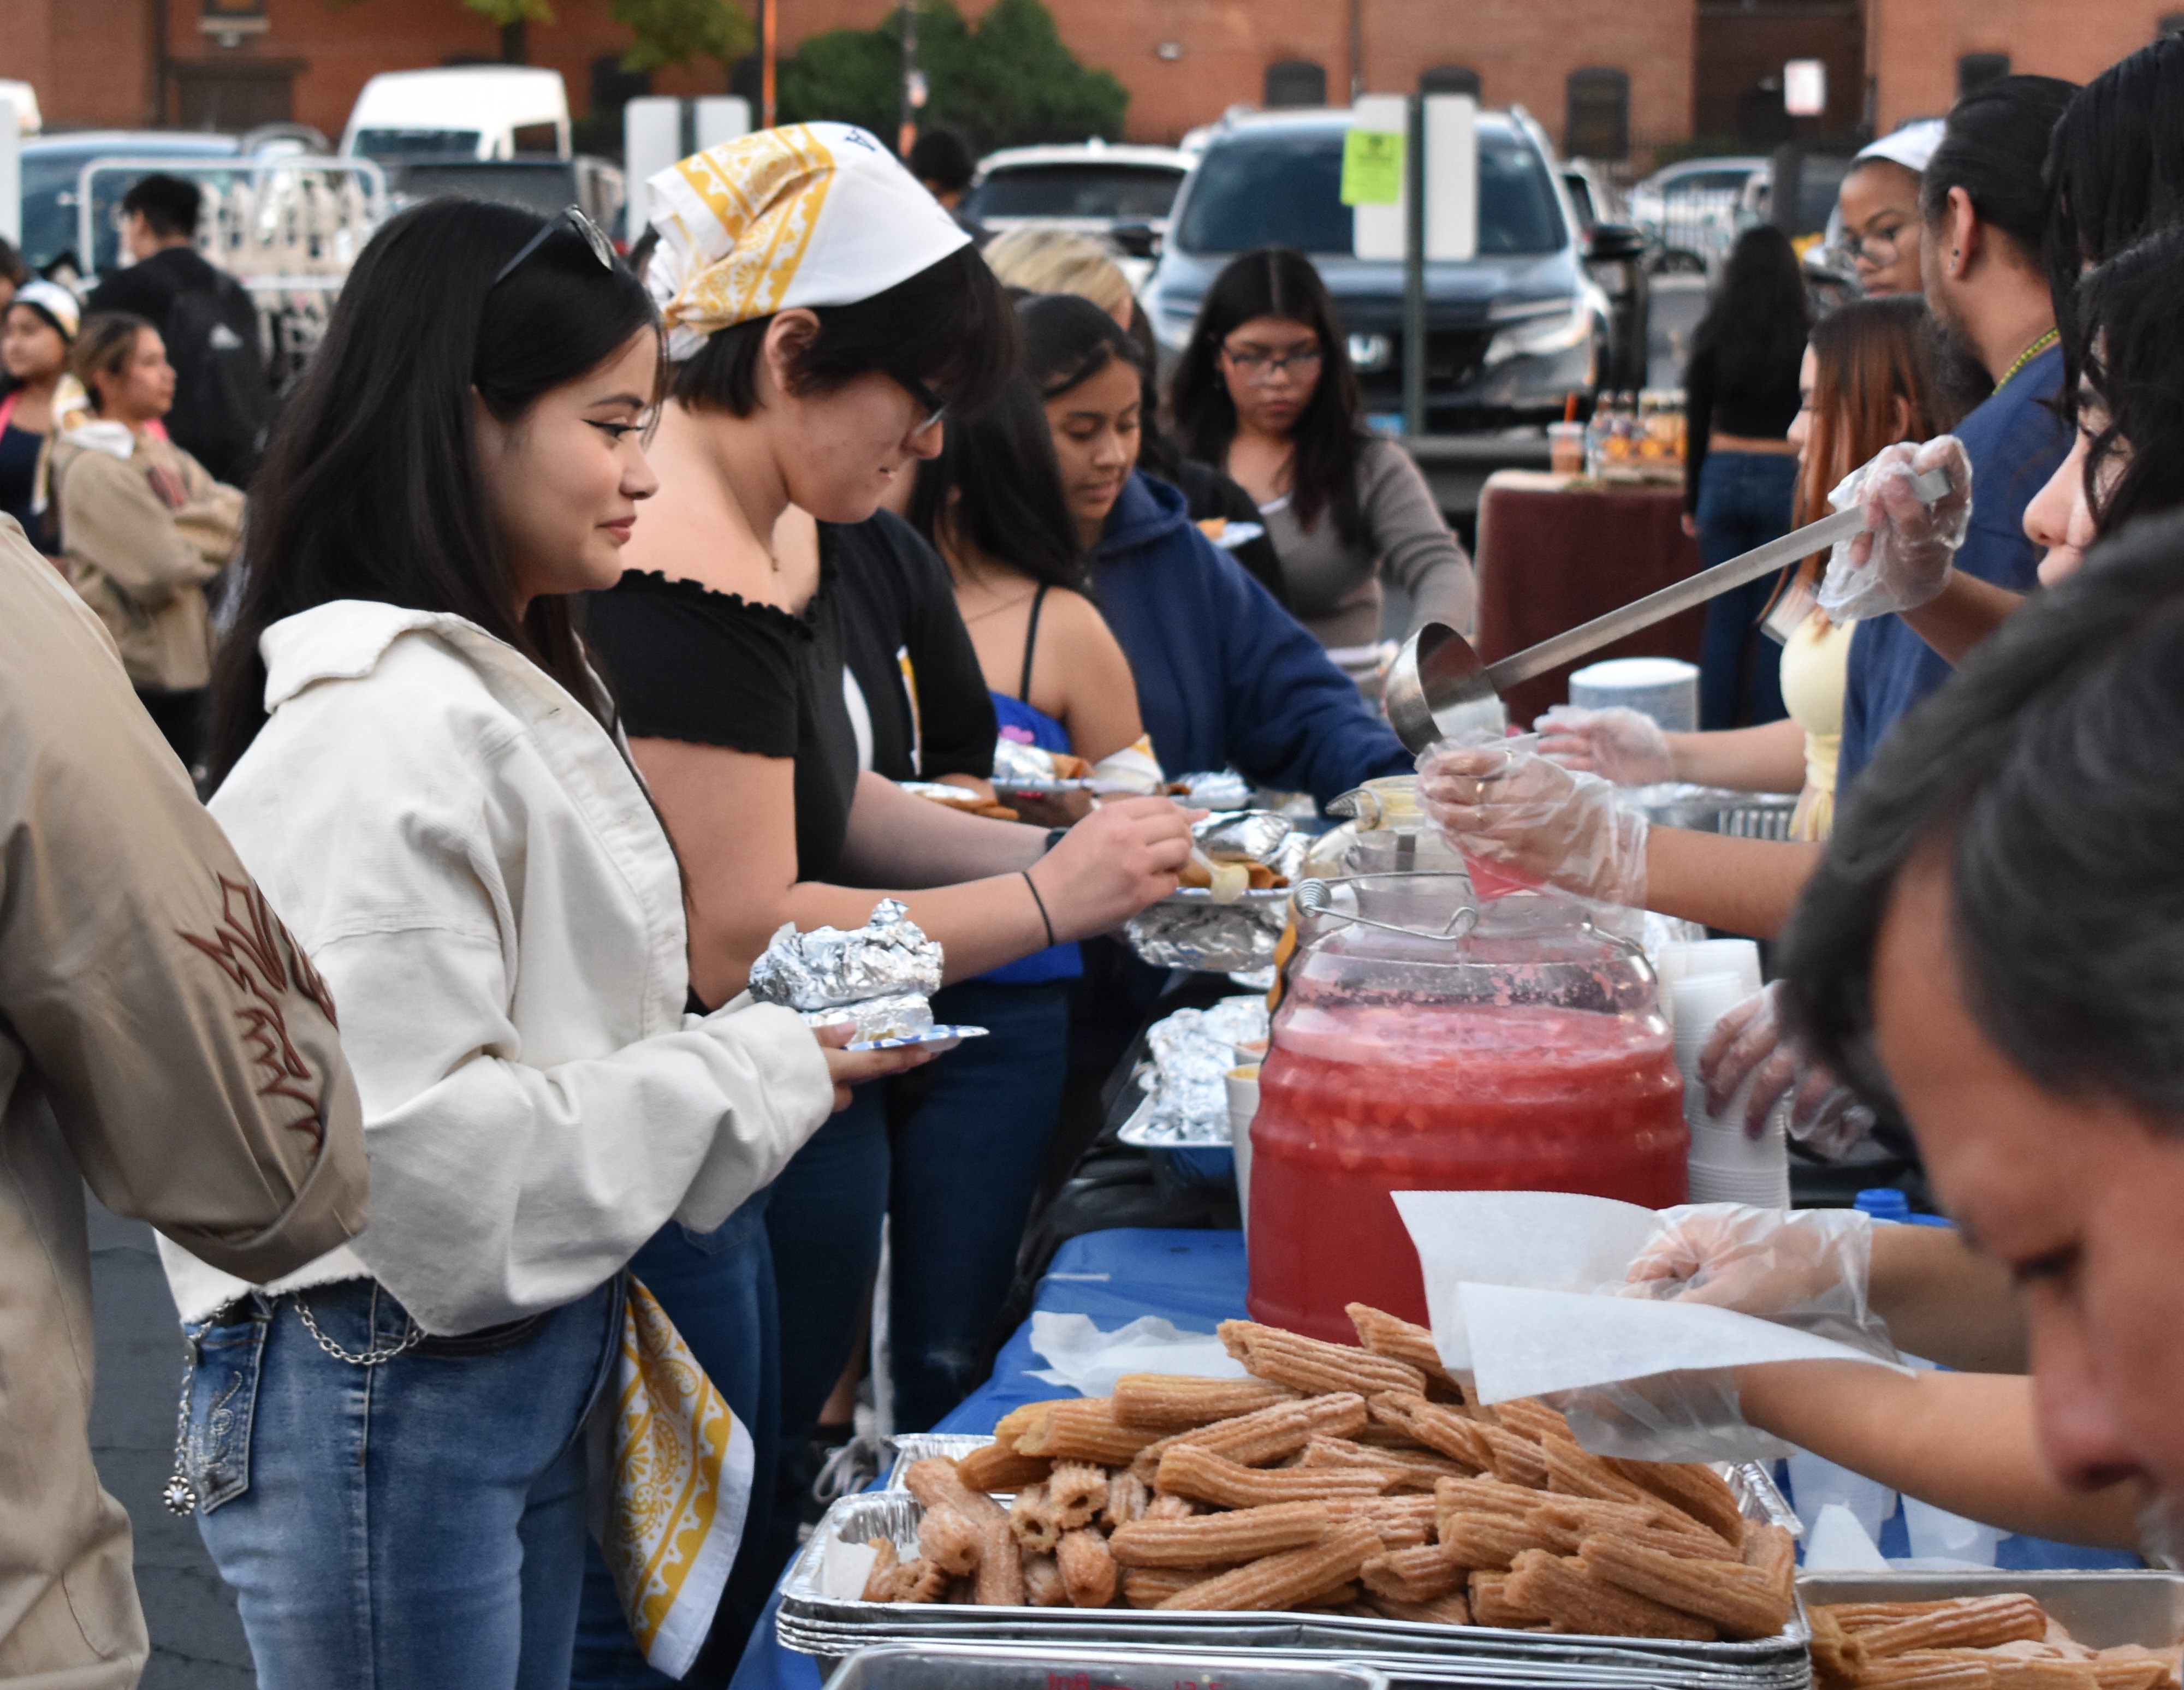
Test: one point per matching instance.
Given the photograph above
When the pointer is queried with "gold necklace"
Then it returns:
(2027, 356)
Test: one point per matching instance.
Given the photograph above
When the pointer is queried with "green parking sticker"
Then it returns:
(1372, 167)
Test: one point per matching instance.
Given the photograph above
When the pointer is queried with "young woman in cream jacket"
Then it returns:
(420, 767)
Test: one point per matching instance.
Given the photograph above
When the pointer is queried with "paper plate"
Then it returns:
(933, 1035)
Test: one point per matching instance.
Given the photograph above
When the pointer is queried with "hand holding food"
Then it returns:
(1122, 856)
(847, 1068)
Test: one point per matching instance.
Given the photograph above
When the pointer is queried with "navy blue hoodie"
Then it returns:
(1225, 675)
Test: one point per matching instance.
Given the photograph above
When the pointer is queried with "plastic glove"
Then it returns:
(1901, 560)
(1749, 1043)
(1520, 820)
(1622, 745)
(1688, 1416)
(1806, 1268)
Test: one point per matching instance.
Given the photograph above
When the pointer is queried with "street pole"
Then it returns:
(912, 93)
(1414, 269)
(767, 37)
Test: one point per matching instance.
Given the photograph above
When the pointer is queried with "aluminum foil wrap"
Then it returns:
(1191, 1051)
(1014, 760)
(900, 1014)
(1216, 789)
(1188, 929)
(1258, 834)
(888, 961)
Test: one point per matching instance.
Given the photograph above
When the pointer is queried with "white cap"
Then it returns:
(55, 300)
(1911, 146)
(815, 213)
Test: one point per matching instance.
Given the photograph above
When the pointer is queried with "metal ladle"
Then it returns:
(1439, 689)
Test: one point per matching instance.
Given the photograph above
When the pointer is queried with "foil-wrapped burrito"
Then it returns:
(1216, 789)
(878, 976)
(1256, 834)
(1185, 932)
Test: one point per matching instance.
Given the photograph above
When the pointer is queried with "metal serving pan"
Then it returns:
(964, 1666)
(2100, 1609)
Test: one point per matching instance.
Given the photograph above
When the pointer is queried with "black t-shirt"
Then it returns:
(895, 604)
(687, 662)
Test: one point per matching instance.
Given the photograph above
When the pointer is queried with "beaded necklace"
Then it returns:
(2027, 356)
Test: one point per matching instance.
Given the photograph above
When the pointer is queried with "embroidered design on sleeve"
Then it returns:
(262, 957)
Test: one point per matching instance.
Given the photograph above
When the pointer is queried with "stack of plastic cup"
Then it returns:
(1680, 958)
(1243, 1105)
(1727, 1164)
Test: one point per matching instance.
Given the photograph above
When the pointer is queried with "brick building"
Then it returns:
(1613, 77)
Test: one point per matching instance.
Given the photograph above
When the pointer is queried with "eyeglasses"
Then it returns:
(570, 217)
(934, 407)
(1257, 367)
(1877, 249)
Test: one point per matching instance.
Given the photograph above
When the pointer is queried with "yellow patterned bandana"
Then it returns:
(682, 1487)
(815, 213)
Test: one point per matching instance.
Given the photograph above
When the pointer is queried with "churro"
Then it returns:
(880, 1582)
(1484, 1496)
(1863, 1616)
(1399, 1521)
(1492, 1540)
(1423, 1574)
(1042, 1579)
(1743, 1602)
(1418, 1469)
(949, 1540)
(1127, 1498)
(1575, 1599)
(1445, 1611)
(1279, 1581)
(1186, 1470)
(1089, 1572)
(2132, 1666)
(1081, 1429)
(1436, 1425)
(1244, 1534)
(1576, 1472)
(1492, 1605)
(1163, 1401)
(935, 1482)
(1271, 1434)
(1696, 1490)
(1309, 1366)
(1929, 1670)
(1530, 1417)
(1018, 1420)
(1774, 1552)
(1399, 1340)
(2006, 1672)
(1075, 1493)
(1000, 1575)
(919, 1581)
(1033, 1520)
(1569, 1521)
(1517, 1460)
(1170, 1508)
(1836, 1656)
(996, 1467)
(1150, 1586)
(1970, 1623)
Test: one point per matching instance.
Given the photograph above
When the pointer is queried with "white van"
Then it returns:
(465, 111)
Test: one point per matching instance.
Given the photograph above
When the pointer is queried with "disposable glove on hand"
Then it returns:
(1622, 745)
(1750, 1044)
(1522, 821)
(1901, 560)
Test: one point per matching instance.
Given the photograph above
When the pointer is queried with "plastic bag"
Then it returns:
(1618, 744)
(1521, 821)
(1749, 1041)
(1901, 560)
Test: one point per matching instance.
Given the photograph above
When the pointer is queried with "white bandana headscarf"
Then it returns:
(815, 213)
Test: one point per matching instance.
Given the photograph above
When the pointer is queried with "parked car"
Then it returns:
(464, 111)
(1121, 193)
(1690, 212)
(1615, 257)
(53, 165)
(1509, 334)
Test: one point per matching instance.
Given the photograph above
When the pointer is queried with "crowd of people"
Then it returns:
(587, 621)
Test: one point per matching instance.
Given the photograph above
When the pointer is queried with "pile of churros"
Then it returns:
(1352, 1481)
(1988, 1642)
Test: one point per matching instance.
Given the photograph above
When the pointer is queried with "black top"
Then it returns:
(1209, 493)
(1763, 412)
(19, 476)
(892, 598)
(687, 662)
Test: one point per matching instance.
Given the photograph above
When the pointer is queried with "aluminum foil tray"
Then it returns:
(2101, 1610)
(1187, 929)
(811, 1622)
(956, 1666)
(915, 1446)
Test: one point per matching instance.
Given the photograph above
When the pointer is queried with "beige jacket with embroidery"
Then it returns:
(162, 1036)
(140, 561)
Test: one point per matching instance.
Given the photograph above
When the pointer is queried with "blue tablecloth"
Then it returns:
(1196, 1278)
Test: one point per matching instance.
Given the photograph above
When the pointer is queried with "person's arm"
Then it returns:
(731, 815)
(1416, 550)
(112, 522)
(1966, 611)
(1768, 759)
(1742, 886)
(1963, 1441)
(213, 518)
(1944, 1301)
(1698, 427)
(184, 1042)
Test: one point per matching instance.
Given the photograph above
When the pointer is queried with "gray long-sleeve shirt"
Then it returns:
(1336, 587)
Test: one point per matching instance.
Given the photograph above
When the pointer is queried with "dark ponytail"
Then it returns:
(1992, 147)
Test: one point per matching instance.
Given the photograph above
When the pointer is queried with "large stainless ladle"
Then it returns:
(1439, 689)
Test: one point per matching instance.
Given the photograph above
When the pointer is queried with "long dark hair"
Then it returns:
(371, 486)
(999, 464)
(1993, 147)
(948, 328)
(1068, 340)
(1277, 281)
(1755, 326)
(2131, 347)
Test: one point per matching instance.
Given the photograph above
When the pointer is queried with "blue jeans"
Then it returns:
(966, 1163)
(410, 1525)
(717, 1288)
(1745, 500)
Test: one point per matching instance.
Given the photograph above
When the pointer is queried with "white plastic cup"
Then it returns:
(1816, 1481)
(1700, 1000)
(1938, 1534)
(1243, 1104)
(1739, 957)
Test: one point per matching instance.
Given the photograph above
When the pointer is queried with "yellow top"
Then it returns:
(1815, 667)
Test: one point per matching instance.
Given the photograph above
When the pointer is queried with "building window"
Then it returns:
(1597, 125)
(1449, 79)
(1296, 82)
(1977, 69)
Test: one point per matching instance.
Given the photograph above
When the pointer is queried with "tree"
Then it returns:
(661, 32)
(1010, 81)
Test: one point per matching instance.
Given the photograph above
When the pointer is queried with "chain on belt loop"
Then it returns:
(374, 1357)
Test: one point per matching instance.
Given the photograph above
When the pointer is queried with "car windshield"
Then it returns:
(1121, 193)
(49, 203)
(417, 143)
(1706, 181)
(542, 188)
(1286, 191)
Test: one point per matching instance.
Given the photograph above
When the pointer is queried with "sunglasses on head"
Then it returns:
(570, 217)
